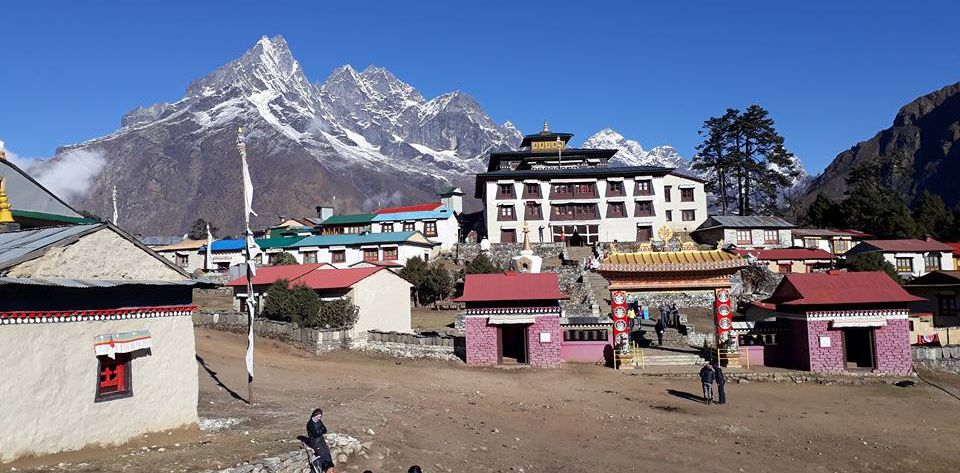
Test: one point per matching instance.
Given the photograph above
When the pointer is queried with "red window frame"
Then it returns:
(616, 210)
(744, 241)
(784, 268)
(643, 208)
(644, 187)
(505, 191)
(615, 189)
(113, 377)
(338, 256)
(371, 254)
(391, 254)
(531, 191)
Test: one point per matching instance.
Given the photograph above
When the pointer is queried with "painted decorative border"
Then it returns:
(890, 314)
(53, 316)
(513, 310)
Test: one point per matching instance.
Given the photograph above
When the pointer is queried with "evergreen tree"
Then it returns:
(336, 314)
(198, 230)
(823, 212)
(415, 272)
(871, 262)
(283, 259)
(875, 207)
(438, 284)
(482, 265)
(933, 217)
(298, 304)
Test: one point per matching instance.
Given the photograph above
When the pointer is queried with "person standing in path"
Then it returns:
(322, 460)
(660, 328)
(706, 378)
(721, 381)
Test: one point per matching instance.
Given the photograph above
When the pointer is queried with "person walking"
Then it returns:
(322, 460)
(706, 378)
(660, 328)
(721, 381)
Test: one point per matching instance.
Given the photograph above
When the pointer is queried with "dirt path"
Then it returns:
(446, 417)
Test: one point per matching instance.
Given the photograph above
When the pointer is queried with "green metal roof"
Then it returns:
(278, 242)
(352, 219)
(50, 217)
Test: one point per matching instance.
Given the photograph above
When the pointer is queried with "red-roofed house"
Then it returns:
(791, 260)
(912, 258)
(956, 255)
(382, 297)
(839, 321)
(410, 208)
(512, 318)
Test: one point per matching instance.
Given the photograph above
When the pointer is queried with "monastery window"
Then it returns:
(644, 208)
(615, 189)
(810, 243)
(645, 187)
(386, 227)
(667, 192)
(409, 227)
(771, 237)
(947, 304)
(616, 210)
(669, 216)
(309, 257)
(931, 262)
(744, 237)
(113, 377)
(686, 195)
(644, 233)
(338, 256)
(430, 229)
(508, 236)
(505, 213)
(371, 254)
(688, 215)
(561, 191)
(391, 254)
(532, 211)
(588, 335)
(904, 265)
(531, 191)
(505, 191)
(180, 260)
(584, 191)
(784, 268)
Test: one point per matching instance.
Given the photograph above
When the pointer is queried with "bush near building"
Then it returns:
(298, 304)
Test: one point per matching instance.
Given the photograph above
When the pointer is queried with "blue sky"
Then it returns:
(831, 73)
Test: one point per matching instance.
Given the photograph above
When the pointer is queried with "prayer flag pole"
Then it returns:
(250, 246)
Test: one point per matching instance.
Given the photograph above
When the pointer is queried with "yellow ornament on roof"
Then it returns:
(5, 215)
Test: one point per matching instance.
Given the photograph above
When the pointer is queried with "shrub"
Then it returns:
(337, 314)
(282, 259)
(482, 265)
(298, 304)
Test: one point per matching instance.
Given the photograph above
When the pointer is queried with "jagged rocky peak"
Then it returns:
(631, 153)
(141, 115)
(268, 65)
(384, 82)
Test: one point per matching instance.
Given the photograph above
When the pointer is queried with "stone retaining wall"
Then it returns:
(940, 358)
(343, 449)
(406, 345)
(502, 253)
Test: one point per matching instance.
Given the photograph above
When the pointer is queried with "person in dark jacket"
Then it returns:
(721, 381)
(707, 376)
(415, 469)
(322, 460)
(660, 328)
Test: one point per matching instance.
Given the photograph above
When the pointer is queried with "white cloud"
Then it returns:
(69, 175)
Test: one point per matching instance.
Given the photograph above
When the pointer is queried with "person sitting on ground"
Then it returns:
(706, 378)
(415, 469)
(322, 460)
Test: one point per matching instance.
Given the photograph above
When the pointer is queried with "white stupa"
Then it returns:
(527, 261)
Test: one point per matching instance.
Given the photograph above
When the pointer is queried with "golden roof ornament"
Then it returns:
(526, 236)
(665, 233)
(546, 127)
(5, 215)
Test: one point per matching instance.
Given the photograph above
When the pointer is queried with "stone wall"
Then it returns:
(313, 340)
(406, 345)
(502, 253)
(893, 347)
(940, 358)
(343, 449)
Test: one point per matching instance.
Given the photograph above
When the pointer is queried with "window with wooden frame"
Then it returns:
(931, 262)
(841, 245)
(947, 304)
(532, 211)
(771, 237)
(644, 187)
(113, 377)
(615, 189)
(181, 260)
(409, 227)
(309, 257)
(616, 210)
(430, 229)
(784, 268)
(668, 215)
(391, 254)
(904, 265)
(505, 191)
(586, 335)
(688, 215)
(531, 191)
(667, 193)
(338, 256)
(744, 237)
(508, 236)
(644, 208)
(371, 254)
(386, 227)
(584, 191)
(686, 195)
(505, 212)
(561, 191)
(644, 233)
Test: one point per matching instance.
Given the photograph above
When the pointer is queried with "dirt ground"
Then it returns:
(427, 319)
(447, 417)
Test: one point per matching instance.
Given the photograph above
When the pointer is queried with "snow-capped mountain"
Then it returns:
(358, 139)
(631, 153)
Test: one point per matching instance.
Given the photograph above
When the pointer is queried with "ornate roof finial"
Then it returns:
(5, 215)
(526, 236)
(546, 127)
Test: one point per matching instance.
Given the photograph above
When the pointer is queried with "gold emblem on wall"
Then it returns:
(665, 233)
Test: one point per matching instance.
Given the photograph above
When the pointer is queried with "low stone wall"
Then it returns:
(939, 358)
(406, 345)
(343, 448)
(313, 340)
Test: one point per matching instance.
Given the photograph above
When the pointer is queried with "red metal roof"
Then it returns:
(787, 254)
(911, 245)
(314, 276)
(409, 208)
(383, 263)
(839, 288)
(956, 248)
(511, 287)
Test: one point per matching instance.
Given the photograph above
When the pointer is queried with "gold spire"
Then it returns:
(546, 127)
(5, 215)
(526, 236)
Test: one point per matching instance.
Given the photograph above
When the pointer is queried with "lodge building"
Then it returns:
(573, 195)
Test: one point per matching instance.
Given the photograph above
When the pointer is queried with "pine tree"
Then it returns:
(415, 272)
(482, 265)
(823, 212)
(875, 207)
(932, 217)
(198, 229)
(438, 284)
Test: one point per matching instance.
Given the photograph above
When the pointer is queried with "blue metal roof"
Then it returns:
(227, 244)
(441, 213)
(355, 239)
